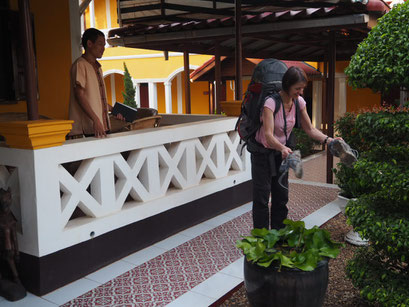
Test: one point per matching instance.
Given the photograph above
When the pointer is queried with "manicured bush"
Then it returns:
(380, 181)
(345, 127)
(381, 61)
(304, 143)
(378, 282)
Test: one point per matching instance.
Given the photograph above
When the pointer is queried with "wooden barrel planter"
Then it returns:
(288, 288)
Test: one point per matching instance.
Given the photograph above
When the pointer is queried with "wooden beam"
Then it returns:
(225, 32)
(217, 77)
(83, 6)
(187, 81)
(29, 61)
(331, 101)
(238, 81)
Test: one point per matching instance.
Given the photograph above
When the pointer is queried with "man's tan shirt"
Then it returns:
(89, 77)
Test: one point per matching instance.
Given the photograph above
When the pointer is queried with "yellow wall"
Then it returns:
(160, 90)
(149, 68)
(359, 98)
(199, 101)
(114, 15)
(100, 14)
(53, 49)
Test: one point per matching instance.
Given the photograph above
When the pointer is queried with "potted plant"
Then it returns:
(287, 267)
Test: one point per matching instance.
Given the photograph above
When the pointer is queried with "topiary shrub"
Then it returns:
(381, 212)
(381, 61)
(304, 143)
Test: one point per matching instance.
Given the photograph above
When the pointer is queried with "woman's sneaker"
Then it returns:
(343, 151)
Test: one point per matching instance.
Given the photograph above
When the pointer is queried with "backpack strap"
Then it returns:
(297, 114)
(278, 104)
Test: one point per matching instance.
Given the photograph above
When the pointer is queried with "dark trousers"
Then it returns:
(265, 174)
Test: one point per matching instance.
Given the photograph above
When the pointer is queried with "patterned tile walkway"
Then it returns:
(315, 168)
(173, 273)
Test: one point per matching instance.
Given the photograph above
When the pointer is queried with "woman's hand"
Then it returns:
(285, 152)
(331, 139)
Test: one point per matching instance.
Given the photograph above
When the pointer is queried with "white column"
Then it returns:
(137, 93)
(75, 30)
(153, 95)
(317, 104)
(113, 92)
(179, 93)
(108, 13)
(342, 107)
(92, 14)
(168, 96)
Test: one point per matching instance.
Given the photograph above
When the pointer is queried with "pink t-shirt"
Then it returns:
(279, 121)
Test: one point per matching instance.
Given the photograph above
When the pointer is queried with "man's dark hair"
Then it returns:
(92, 35)
(292, 76)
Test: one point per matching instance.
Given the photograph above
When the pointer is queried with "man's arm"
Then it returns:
(99, 130)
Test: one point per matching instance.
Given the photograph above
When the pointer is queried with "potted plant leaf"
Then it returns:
(287, 267)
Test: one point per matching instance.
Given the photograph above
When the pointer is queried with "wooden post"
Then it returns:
(211, 104)
(238, 83)
(187, 81)
(330, 102)
(324, 98)
(218, 77)
(29, 62)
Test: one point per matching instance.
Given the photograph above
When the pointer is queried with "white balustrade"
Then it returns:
(118, 180)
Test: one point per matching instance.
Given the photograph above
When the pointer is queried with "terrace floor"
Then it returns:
(195, 267)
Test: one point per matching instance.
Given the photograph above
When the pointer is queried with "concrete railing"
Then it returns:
(87, 187)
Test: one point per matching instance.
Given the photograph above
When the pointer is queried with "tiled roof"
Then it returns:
(291, 34)
(208, 67)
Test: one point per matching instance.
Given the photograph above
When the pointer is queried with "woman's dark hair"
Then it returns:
(90, 34)
(292, 76)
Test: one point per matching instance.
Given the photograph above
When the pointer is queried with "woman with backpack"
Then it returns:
(277, 124)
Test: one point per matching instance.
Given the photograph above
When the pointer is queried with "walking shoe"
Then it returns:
(343, 151)
(293, 161)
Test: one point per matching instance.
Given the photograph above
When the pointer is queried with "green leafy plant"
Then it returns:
(378, 283)
(345, 127)
(293, 246)
(381, 62)
(129, 94)
(304, 143)
(380, 181)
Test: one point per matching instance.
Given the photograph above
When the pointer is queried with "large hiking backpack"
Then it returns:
(265, 82)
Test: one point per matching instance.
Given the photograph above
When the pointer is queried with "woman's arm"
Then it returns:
(268, 127)
(311, 131)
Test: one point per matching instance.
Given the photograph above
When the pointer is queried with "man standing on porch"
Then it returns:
(88, 102)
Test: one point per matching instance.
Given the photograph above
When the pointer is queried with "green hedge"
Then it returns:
(380, 181)
(381, 61)
(304, 143)
(378, 282)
